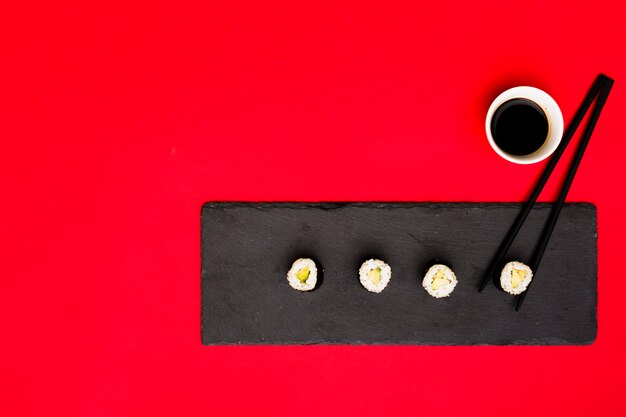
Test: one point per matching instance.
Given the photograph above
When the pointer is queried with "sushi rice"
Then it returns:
(439, 281)
(515, 277)
(303, 275)
(374, 275)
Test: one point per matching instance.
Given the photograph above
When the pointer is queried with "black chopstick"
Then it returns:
(556, 209)
(597, 86)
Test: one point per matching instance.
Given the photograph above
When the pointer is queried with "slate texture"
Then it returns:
(247, 249)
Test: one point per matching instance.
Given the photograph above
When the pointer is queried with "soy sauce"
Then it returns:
(519, 127)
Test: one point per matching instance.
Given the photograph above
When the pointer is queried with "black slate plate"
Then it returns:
(247, 249)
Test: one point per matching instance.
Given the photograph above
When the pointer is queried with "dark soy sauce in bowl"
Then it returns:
(519, 127)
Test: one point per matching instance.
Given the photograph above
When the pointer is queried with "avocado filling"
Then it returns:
(374, 275)
(439, 280)
(303, 274)
(517, 276)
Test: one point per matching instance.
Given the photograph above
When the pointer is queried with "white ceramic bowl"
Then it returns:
(555, 123)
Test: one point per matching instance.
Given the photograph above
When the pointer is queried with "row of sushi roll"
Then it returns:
(439, 280)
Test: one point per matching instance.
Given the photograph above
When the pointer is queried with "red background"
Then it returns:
(118, 120)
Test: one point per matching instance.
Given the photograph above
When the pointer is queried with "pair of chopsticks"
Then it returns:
(600, 90)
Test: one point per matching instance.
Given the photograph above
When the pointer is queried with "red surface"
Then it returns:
(117, 121)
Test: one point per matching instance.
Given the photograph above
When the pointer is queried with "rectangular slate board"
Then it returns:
(247, 249)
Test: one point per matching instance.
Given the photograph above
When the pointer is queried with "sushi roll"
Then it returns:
(515, 277)
(303, 275)
(439, 281)
(374, 275)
